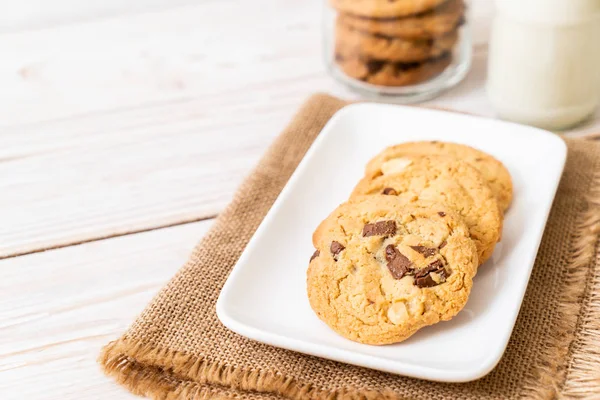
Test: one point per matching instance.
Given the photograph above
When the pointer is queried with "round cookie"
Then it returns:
(447, 181)
(437, 22)
(382, 271)
(393, 74)
(352, 42)
(492, 170)
(384, 8)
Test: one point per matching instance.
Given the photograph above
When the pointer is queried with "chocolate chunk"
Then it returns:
(391, 252)
(423, 276)
(425, 281)
(398, 264)
(336, 248)
(315, 255)
(426, 251)
(435, 266)
(441, 214)
(381, 228)
(390, 192)
(374, 66)
(442, 245)
(406, 66)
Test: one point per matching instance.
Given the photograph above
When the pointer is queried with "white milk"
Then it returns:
(544, 61)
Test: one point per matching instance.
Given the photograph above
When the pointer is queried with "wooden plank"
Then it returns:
(212, 48)
(59, 307)
(34, 14)
(134, 122)
(138, 176)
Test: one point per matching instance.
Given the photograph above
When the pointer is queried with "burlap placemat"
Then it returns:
(177, 348)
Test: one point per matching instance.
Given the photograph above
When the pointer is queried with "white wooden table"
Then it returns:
(125, 127)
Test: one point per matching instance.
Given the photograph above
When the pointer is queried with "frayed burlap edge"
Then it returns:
(185, 376)
(147, 380)
(583, 370)
(577, 327)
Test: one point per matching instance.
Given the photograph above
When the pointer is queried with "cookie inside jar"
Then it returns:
(398, 45)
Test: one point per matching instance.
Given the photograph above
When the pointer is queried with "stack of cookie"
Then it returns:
(401, 254)
(396, 42)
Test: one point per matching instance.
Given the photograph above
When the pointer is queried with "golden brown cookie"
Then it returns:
(351, 42)
(384, 8)
(495, 173)
(382, 271)
(393, 74)
(443, 180)
(437, 22)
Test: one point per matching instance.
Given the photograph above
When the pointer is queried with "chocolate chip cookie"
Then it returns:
(437, 22)
(443, 180)
(381, 271)
(350, 42)
(392, 74)
(384, 8)
(495, 173)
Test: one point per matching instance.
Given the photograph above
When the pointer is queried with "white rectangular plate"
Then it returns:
(265, 296)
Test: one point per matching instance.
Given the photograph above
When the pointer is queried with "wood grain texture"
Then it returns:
(128, 123)
(118, 171)
(133, 122)
(59, 307)
(39, 14)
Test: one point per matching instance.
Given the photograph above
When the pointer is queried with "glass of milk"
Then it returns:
(544, 61)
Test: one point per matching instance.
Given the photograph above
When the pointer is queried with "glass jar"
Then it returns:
(544, 61)
(409, 49)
